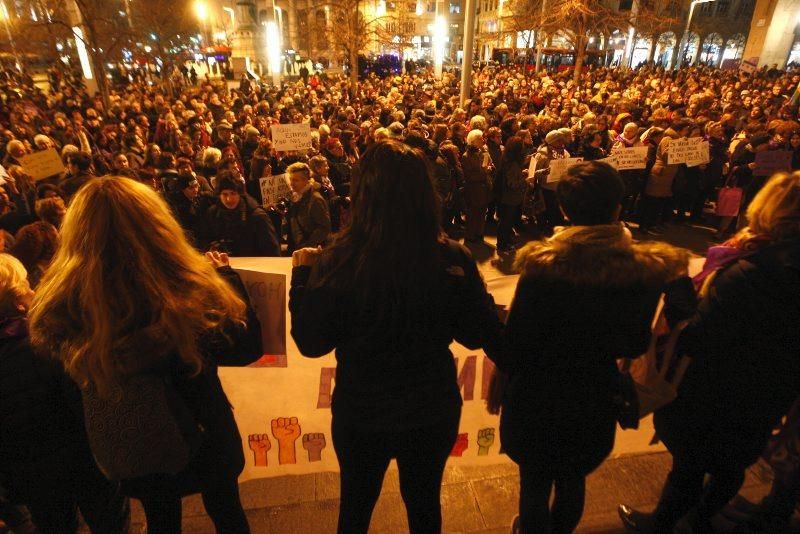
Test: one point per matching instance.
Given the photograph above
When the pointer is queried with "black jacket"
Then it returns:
(584, 299)
(220, 456)
(384, 383)
(244, 231)
(744, 342)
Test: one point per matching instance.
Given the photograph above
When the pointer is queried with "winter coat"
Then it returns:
(40, 422)
(543, 157)
(513, 188)
(244, 231)
(586, 297)
(744, 342)
(385, 383)
(659, 184)
(220, 456)
(477, 180)
(309, 219)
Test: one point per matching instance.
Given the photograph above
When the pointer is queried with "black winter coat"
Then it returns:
(40, 421)
(386, 383)
(584, 299)
(744, 342)
(220, 456)
(244, 231)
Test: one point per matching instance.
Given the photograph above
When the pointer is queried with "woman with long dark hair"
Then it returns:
(389, 296)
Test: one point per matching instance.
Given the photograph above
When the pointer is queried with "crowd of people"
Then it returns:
(117, 296)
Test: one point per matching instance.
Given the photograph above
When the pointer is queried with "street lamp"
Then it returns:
(688, 24)
(201, 10)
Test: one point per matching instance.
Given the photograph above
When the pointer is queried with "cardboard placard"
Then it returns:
(43, 164)
(692, 151)
(771, 161)
(628, 158)
(289, 137)
(558, 168)
(274, 188)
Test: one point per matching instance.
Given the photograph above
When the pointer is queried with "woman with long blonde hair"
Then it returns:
(744, 341)
(125, 299)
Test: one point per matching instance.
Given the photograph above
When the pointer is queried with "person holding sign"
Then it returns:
(657, 198)
(552, 149)
(632, 178)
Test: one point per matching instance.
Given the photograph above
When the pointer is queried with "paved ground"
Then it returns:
(474, 500)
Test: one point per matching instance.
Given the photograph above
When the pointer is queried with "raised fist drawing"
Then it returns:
(485, 441)
(462, 444)
(314, 443)
(286, 430)
(259, 444)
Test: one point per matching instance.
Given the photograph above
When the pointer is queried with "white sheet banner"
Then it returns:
(628, 158)
(282, 402)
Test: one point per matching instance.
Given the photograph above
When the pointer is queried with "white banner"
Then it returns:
(288, 137)
(282, 404)
(274, 188)
(628, 158)
(692, 151)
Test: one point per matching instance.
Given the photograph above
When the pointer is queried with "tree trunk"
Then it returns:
(580, 54)
(353, 72)
(652, 52)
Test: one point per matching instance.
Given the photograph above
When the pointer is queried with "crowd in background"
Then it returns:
(396, 164)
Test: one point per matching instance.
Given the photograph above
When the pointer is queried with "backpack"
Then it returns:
(143, 428)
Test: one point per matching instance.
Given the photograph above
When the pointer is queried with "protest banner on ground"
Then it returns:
(43, 164)
(628, 158)
(771, 161)
(274, 188)
(558, 168)
(282, 405)
(692, 151)
(289, 137)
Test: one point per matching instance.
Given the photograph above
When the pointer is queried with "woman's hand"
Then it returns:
(218, 259)
(306, 257)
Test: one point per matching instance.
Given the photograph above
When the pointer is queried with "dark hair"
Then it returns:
(228, 180)
(166, 160)
(681, 124)
(590, 193)
(81, 160)
(388, 255)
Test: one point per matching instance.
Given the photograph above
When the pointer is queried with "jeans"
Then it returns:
(364, 456)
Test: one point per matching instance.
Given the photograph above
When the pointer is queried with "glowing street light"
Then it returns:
(201, 10)
(273, 43)
(7, 21)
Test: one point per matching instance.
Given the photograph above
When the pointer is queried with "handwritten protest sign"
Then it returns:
(42, 164)
(692, 151)
(287, 137)
(771, 161)
(274, 188)
(558, 168)
(628, 158)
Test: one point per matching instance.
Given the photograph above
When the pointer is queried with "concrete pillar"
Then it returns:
(292, 25)
(771, 32)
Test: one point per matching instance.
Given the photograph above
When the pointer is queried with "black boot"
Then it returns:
(672, 505)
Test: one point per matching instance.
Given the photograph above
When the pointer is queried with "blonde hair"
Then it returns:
(125, 290)
(775, 210)
(13, 284)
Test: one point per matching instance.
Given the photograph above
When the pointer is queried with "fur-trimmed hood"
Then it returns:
(601, 255)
